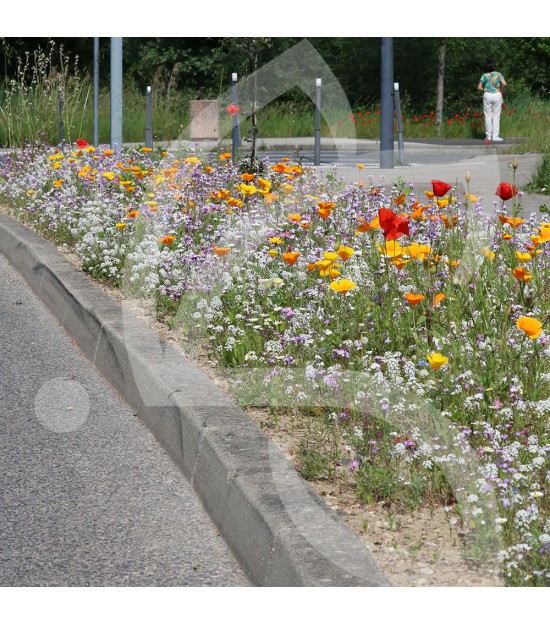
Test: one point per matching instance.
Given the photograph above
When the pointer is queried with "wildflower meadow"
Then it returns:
(405, 333)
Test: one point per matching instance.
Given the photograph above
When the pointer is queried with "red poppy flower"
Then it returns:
(440, 188)
(506, 191)
(394, 226)
(82, 143)
(232, 109)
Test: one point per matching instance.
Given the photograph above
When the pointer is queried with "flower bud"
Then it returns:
(515, 163)
(468, 177)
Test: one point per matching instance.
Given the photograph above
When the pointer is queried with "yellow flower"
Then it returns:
(531, 326)
(331, 256)
(121, 225)
(417, 251)
(272, 253)
(488, 253)
(437, 360)
(391, 249)
(192, 160)
(523, 257)
(109, 175)
(345, 252)
(247, 189)
(544, 234)
(276, 240)
(265, 185)
(360, 166)
(57, 183)
(342, 286)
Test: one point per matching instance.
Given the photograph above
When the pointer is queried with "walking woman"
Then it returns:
(492, 83)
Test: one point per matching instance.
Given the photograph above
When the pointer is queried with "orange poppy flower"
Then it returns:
(221, 251)
(399, 263)
(521, 274)
(511, 221)
(438, 298)
(414, 298)
(449, 223)
(291, 257)
(168, 239)
(248, 177)
(295, 217)
(133, 214)
(531, 326)
(367, 227)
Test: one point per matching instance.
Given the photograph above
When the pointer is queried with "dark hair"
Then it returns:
(490, 66)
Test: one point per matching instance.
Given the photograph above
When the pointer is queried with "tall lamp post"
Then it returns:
(386, 104)
(96, 91)
(116, 94)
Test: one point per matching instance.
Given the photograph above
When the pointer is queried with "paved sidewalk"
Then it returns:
(423, 161)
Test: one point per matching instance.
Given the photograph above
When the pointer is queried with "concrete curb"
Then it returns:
(280, 531)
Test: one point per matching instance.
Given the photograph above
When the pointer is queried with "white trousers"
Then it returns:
(492, 106)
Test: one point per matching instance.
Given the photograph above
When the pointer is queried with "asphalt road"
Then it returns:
(87, 496)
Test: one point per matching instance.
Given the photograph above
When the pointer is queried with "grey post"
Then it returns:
(148, 118)
(116, 94)
(96, 91)
(60, 106)
(399, 123)
(386, 104)
(236, 131)
(317, 148)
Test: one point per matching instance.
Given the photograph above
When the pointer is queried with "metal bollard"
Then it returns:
(317, 148)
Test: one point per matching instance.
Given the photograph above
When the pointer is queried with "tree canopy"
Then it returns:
(202, 66)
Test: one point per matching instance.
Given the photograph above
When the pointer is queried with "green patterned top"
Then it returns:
(491, 82)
